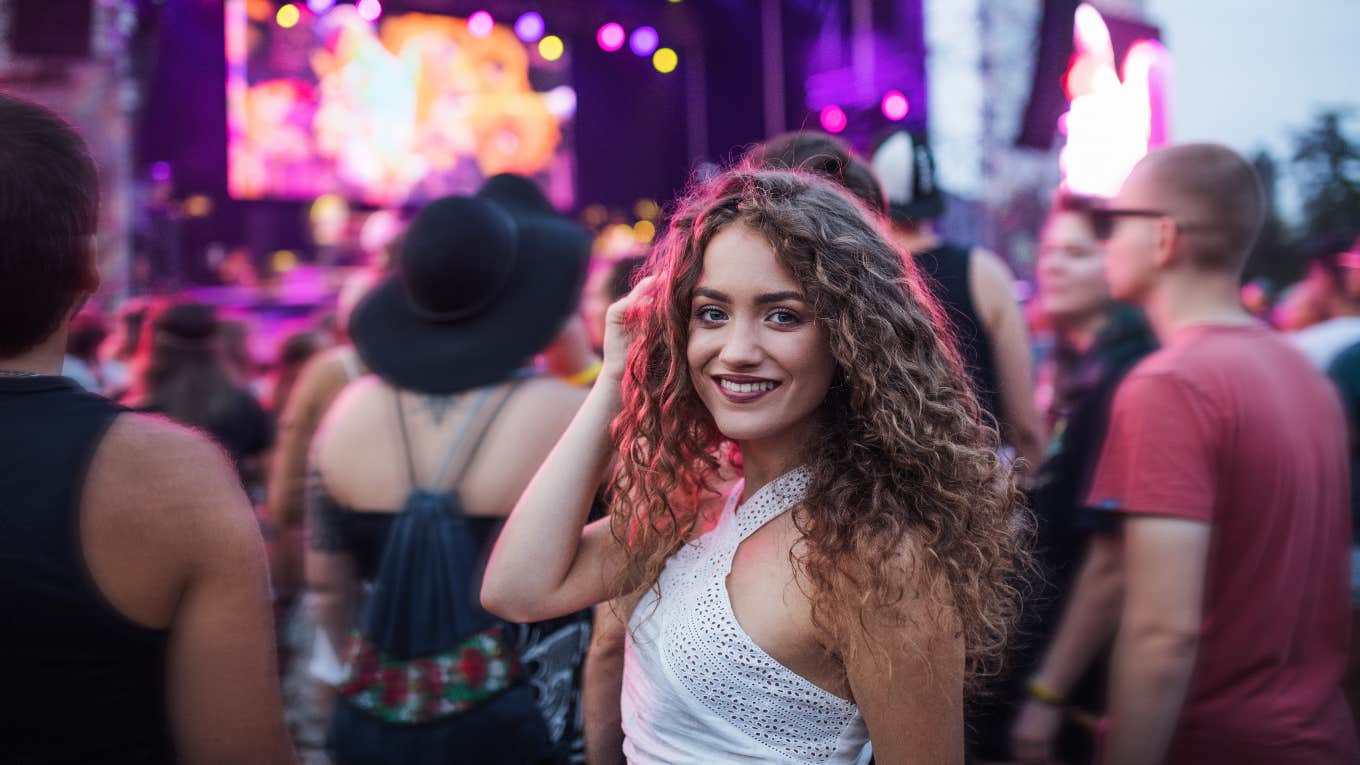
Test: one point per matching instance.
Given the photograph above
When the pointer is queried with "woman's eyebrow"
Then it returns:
(761, 299)
(779, 297)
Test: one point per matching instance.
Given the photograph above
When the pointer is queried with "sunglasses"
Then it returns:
(1104, 218)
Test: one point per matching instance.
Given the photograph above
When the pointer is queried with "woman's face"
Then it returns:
(1071, 269)
(758, 358)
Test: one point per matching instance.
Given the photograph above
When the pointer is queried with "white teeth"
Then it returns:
(737, 387)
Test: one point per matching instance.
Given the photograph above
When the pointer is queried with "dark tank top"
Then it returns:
(946, 270)
(81, 682)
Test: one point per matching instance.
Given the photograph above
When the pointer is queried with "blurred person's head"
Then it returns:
(352, 290)
(905, 166)
(127, 330)
(613, 281)
(482, 285)
(1071, 265)
(49, 213)
(1335, 269)
(1350, 274)
(782, 319)
(294, 353)
(234, 336)
(86, 333)
(180, 368)
(1257, 298)
(824, 155)
(380, 238)
(1301, 304)
(1185, 213)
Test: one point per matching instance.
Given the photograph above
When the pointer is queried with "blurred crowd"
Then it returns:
(398, 395)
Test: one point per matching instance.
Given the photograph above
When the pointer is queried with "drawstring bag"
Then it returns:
(431, 678)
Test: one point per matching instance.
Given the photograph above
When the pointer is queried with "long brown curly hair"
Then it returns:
(903, 459)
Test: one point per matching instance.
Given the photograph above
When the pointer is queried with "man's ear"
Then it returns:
(89, 272)
(1166, 238)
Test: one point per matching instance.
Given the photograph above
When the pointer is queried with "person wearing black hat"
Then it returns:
(973, 286)
(449, 419)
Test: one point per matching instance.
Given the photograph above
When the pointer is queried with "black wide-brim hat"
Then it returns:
(480, 288)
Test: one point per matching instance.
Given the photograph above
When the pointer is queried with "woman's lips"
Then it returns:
(741, 389)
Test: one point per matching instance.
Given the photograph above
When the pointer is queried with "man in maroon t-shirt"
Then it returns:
(1226, 457)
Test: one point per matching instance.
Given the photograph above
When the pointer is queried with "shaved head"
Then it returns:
(1214, 195)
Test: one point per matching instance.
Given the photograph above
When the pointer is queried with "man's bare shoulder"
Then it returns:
(162, 451)
(163, 507)
(165, 474)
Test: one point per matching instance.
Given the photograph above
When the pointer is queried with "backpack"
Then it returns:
(431, 677)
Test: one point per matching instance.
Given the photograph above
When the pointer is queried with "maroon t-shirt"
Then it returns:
(1230, 426)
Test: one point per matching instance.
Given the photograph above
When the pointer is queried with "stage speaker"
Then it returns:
(50, 28)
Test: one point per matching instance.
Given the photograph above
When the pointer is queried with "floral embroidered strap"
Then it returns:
(431, 687)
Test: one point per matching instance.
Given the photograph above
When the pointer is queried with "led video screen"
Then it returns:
(397, 109)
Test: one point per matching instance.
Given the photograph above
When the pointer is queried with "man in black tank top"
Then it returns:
(132, 574)
(973, 287)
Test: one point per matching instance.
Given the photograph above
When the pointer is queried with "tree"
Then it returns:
(1326, 167)
(1272, 256)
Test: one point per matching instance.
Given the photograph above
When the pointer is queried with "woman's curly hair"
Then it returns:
(903, 460)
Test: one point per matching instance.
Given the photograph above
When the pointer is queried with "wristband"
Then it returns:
(1044, 694)
(586, 376)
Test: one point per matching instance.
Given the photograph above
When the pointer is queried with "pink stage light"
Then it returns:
(895, 105)
(529, 27)
(643, 41)
(610, 37)
(369, 10)
(480, 24)
(833, 119)
(1112, 120)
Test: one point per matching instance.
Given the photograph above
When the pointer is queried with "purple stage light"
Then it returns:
(161, 172)
(895, 105)
(529, 26)
(320, 6)
(369, 10)
(610, 37)
(643, 41)
(480, 24)
(833, 119)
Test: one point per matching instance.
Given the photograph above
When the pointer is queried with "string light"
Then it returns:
(643, 41)
(529, 26)
(288, 16)
(895, 105)
(551, 48)
(833, 119)
(665, 60)
(480, 24)
(610, 37)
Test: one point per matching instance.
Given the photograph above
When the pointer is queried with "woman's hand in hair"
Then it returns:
(620, 324)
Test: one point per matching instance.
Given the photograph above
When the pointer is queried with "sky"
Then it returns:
(1251, 73)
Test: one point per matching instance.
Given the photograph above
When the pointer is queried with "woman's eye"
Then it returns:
(784, 318)
(710, 314)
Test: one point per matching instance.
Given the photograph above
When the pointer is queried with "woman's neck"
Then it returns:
(765, 459)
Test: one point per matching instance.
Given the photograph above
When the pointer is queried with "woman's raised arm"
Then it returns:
(547, 561)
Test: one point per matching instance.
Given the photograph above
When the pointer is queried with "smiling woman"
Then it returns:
(759, 359)
(807, 508)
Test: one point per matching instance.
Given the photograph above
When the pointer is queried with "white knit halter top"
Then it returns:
(696, 688)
